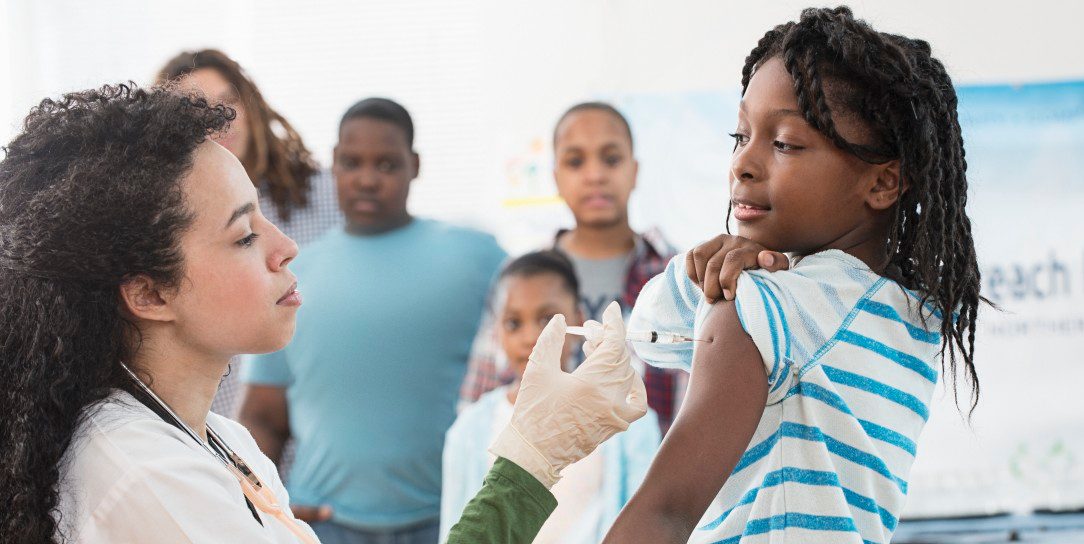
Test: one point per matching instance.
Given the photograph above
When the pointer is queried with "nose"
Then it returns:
(746, 163)
(367, 179)
(284, 251)
(530, 335)
(594, 171)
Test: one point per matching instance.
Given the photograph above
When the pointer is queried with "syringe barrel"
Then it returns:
(642, 336)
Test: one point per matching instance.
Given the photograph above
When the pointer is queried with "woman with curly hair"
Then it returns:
(297, 195)
(134, 263)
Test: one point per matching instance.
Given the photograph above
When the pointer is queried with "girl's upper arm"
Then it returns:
(728, 389)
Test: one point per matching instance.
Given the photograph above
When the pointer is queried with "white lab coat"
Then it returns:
(131, 477)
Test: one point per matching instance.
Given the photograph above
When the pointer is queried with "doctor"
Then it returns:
(134, 263)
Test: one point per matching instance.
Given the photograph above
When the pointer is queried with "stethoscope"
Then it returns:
(259, 495)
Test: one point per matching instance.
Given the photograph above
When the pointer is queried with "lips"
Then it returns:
(747, 210)
(292, 297)
(365, 205)
(598, 201)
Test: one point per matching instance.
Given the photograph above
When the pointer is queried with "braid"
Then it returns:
(906, 98)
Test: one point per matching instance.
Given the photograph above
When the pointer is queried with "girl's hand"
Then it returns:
(714, 266)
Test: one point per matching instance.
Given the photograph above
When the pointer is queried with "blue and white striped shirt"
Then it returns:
(851, 370)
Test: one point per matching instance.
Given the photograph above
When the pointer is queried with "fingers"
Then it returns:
(635, 405)
(607, 356)
(734, 262)
(716, 265)
(613, 325)
(690, 268)
(548, 347)
(310, 514)
(773, 261)
(593, 337)
(696, 260)
(713, 291)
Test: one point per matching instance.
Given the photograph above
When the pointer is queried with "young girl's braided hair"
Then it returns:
(907, 102)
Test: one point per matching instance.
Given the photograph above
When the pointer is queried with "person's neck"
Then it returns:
(866, 245)
(513, 391)
(384, 228)
(183, 378)
(599, 242)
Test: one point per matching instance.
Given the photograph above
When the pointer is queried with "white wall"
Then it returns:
(484, 79)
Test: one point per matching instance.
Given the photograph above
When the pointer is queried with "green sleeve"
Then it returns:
(509, 509)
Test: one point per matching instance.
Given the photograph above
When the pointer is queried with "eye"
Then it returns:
(347, 163)
(783, 146)
(613, 160)
(574, 162)
(511, 325)
(739, 139)
(386, 166)
(247, 241)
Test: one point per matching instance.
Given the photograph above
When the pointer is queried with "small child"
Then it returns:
(807, 398)
(531, 290)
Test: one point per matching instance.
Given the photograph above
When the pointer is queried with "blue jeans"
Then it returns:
(333, 533)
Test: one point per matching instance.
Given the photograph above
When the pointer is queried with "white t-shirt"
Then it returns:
(129, 476)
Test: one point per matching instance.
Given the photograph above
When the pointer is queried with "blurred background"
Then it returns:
(485, 81)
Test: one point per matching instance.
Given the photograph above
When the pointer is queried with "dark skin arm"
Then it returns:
(728, 388)
(264, 413)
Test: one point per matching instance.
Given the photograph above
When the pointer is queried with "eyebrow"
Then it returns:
(606, 146)
(782, 112)
(240, 212)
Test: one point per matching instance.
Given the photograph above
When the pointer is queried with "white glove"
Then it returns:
(560, 418)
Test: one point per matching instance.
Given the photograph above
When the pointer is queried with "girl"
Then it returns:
(529, 292)
(808, 397)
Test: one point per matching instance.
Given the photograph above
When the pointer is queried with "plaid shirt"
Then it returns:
(665, 388)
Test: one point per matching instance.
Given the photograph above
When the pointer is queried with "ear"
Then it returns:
(145, 300)
(416, 162)
(635, 172)
(887, 186)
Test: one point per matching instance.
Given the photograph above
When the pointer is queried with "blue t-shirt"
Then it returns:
(373, 372)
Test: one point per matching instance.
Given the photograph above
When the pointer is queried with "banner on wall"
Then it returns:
(1023, 449)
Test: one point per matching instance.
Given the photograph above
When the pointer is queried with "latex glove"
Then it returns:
(561, 417)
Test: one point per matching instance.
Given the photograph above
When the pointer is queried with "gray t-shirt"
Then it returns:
(602, 281)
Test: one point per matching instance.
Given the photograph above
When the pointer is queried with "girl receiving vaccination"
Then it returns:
(530, 290)
(808, 397)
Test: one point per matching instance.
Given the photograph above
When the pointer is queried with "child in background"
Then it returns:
(531, 290)
(595, 169)
(807, 399)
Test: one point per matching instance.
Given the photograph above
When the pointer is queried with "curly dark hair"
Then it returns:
(90, 196)
(277, 155)
(906, 98)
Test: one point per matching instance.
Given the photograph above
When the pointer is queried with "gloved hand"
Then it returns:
(560, 417)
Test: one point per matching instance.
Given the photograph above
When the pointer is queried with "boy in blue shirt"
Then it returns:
(368, 386)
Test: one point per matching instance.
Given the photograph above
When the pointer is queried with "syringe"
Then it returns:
(653, 337)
